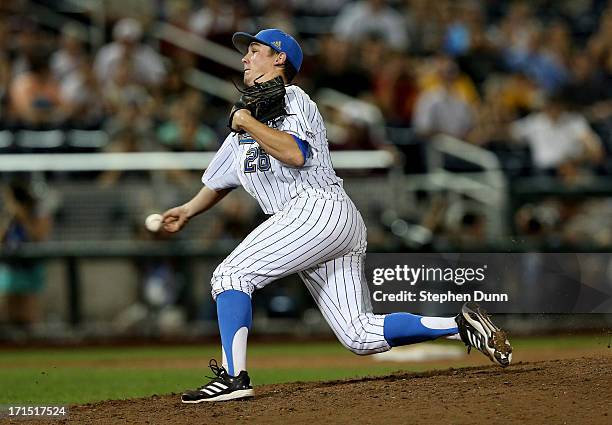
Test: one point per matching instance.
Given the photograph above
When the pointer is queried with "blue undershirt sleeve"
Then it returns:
(302, 145)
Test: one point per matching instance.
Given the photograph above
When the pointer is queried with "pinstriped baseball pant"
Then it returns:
(321, 236)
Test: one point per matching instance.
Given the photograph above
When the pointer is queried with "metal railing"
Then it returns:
(196, 44)
(488, 187)
(201, 46)
(346, 160)
(367, 112)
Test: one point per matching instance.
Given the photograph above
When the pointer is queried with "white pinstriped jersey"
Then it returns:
(242, 162)
(316, 230)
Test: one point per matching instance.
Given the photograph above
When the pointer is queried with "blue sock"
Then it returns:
(406, 328)
(234, 313)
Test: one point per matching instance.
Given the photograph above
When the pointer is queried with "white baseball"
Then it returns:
(154, 222)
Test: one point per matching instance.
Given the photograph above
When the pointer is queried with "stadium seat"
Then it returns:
(87, 139)
(6, 140)
(44, 140)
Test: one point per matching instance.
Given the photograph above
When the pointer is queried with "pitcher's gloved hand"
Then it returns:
(265, 101)
(237, 106)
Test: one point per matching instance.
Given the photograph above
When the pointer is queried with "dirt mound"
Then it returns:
(556, 391)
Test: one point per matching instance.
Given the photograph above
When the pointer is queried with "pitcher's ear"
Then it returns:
(281, 58)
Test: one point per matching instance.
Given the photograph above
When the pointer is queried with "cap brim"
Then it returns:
(242, 40)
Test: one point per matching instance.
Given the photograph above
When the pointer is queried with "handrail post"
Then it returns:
(74, 290)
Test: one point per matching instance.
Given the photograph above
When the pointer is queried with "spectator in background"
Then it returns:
(589, 85)
(147, 66)
(5, 38)
(529, 48)
(558, 43)
(71, 54)
(214, 17)
(35, 99)
(480, 59)
(468, 19)
(443, 71)
(326, 8)
(83, 98)
(336, 69)
(173, 89)
(5, 79)
(520, 94)
(174, 85)
(426, 22)
(442, 110)
(28, 41)
(395, 90)
(590, 89)
(516, 28)
(365, 17)
(178, 15)
(133, 116)
(537, 62)
(143, 10)
(278, 14)
(193, 100)
(601, 112)
(561, 142)
(492, 116)
(129, 103)
(184, 132)
(217, 19)
(372, 53)
(5, 69)
(21, 280)
(599, 44)
(599, 49)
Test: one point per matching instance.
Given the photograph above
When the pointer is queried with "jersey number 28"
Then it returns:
(256, 160)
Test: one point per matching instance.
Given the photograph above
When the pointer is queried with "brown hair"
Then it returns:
(289, 71)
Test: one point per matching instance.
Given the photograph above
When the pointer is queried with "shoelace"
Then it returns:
(217, 371)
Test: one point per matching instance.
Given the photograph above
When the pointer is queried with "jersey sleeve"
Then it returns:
(222, 172)
(300, 116)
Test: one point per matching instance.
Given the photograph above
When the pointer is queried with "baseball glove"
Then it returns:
(265, 101)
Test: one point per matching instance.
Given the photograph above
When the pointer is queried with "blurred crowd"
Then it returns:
(530, 81)
(469, 68)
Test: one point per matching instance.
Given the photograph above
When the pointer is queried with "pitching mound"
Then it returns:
(556, 391)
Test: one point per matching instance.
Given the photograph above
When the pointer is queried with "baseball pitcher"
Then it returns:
(278, 152)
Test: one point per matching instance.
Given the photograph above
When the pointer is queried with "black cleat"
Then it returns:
(223, 387)
(477, 330)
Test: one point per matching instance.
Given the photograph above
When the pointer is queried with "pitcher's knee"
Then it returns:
(223, 282)
(359, 338)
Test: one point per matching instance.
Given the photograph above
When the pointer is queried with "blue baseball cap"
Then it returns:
(278, 40)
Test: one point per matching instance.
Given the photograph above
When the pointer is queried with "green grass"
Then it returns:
(35, 376)
(81, 385)
(163, 352)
